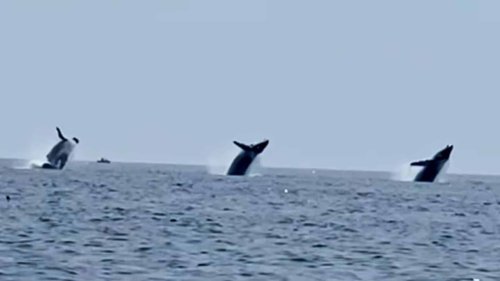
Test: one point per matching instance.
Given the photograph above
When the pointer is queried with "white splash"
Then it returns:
(255, 169)
(218, 163)
(36, 152)
(441, 177)
(405, 172)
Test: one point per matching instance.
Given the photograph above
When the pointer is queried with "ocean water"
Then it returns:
(164, 222)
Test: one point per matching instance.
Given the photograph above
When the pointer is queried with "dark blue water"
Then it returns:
(161, 222)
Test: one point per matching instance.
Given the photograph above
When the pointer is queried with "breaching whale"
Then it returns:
(432, 167)
(59, 154)
(242, 162)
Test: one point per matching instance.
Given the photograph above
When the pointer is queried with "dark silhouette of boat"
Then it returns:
(103, 161)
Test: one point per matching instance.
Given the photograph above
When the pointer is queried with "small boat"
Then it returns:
(103, 161)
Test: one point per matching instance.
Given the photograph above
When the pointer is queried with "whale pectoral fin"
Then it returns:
(421, 163)
(242, 146)
(59, 133)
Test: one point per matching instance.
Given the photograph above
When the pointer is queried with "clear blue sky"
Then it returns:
(333, 84)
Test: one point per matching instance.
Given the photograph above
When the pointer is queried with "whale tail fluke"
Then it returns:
(256, 148)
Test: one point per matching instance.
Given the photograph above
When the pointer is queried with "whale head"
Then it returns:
(259, 148)
(444, 154)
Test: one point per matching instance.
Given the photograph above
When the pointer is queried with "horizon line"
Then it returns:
(266, 167)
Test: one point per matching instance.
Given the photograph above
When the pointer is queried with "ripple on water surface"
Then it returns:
(161, 222)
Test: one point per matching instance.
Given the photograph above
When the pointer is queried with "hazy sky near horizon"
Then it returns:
(333, 84)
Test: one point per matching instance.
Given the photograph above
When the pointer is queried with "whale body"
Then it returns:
(242, 162)
(60, 153)
(432, 167)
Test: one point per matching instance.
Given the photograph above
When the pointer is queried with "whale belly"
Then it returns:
(59, 154)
